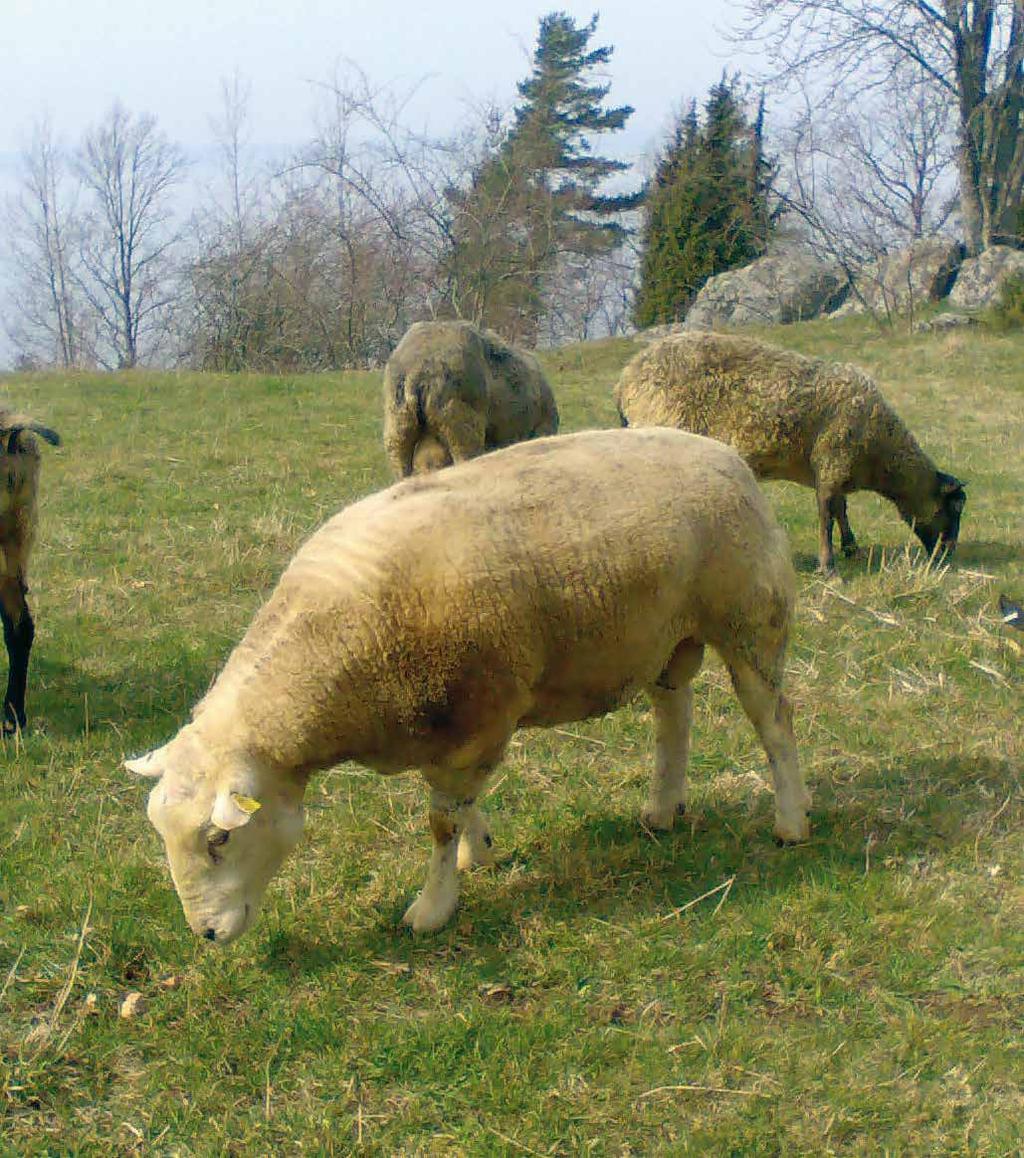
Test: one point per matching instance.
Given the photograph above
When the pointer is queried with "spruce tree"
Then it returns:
(558, 114)
(536, 193)
(707, 208)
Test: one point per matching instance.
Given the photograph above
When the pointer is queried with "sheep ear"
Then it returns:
(948, 484)
(151, 764)
(231, 810)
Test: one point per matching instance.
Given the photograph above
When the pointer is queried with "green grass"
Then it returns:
(599, 992)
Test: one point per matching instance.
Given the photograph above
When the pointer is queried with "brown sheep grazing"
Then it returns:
(823, 424)
(452, 391)
(420, 627)
(19, 464)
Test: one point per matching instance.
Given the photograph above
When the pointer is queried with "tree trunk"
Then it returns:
(971, 211)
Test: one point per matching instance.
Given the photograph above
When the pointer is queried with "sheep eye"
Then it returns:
(219, 837)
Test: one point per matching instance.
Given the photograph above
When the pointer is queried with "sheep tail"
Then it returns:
(12, 425)
(51, 436)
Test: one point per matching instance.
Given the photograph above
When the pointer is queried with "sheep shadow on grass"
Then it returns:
(987, 553)
(64, 700)
(605, 867)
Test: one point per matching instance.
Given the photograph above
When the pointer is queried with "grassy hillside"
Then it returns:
(600, 991)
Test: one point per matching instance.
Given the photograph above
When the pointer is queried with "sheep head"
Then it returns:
(943, 529)
(227, 826)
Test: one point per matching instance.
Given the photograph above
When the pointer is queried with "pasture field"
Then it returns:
(600, 991)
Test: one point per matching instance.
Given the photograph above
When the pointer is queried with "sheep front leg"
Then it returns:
(436, 903)
(826, 559)
(672, 698)
(19, 631)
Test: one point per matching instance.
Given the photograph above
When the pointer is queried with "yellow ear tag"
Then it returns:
(246, 803)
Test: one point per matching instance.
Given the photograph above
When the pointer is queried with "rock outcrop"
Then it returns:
(774, 290)
(981, 278)
(909, 279)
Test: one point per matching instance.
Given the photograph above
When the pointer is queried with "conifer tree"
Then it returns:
(558, 114)
(536, 193)
(707, 208)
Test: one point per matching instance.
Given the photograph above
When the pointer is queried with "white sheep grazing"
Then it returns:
(452, 392)
(822, 424)
(421, 626)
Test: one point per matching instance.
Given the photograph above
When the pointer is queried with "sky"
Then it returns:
(71, 59)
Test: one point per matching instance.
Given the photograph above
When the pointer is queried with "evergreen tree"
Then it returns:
(535, 194)
(550, 139)
(707, 208)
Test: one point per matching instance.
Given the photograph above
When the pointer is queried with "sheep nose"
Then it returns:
(210, 934)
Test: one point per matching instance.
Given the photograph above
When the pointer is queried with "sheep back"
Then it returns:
(789, 416)
(545, 583)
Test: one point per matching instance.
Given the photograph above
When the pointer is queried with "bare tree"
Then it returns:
(223, 285)
(971, 53)
(231, 131)
(42, 236)
(128, 167)
(382, 182)
(500, 259)
(326, 266)
(589, 297)
(869, 176)
(900, 154)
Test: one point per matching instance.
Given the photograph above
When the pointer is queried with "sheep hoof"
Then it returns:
(799, 833)
(429, 913)
(661, 819)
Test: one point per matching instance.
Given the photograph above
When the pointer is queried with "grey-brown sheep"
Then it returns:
(823, 424)
(452, 391)
(19, 469)
(418, 628)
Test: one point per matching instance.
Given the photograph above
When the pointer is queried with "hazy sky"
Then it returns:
(72, 58)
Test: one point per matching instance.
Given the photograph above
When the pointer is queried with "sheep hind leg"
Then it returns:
(19, 631)
(461, 429)
(672, 697)
(768, 710)
(847, 539)
(429, 455)
(440, 894)
(476, 849)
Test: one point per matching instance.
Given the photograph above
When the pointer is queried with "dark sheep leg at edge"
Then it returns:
(19, 631)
